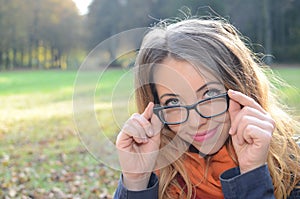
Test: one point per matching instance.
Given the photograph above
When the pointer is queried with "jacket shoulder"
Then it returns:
(295, 194)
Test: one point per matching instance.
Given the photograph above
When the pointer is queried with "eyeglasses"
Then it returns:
(207, 108)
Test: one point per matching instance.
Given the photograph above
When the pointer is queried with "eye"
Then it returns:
(172, 102)
(211, 93)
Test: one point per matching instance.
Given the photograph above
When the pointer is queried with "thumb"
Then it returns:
(156, 124)
(148, 112)
(234, 109)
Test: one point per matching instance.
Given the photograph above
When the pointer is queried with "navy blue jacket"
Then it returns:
(254, 184)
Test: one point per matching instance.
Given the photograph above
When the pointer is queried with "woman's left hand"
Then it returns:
(251, 131)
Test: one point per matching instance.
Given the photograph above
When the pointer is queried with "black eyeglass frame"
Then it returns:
(157, 108)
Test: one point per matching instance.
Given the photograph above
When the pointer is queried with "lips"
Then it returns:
(202, 136)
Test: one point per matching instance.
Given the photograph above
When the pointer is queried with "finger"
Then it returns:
(147, 115)
(255, 135)
(249, 121)
(134, 128)
(237, 140)
(124, 141)
(142, 125)
(244, 137)
(234, 109)
(148, 112)
(244, 100)
(156, 125)
(254, 116)
(132, 132)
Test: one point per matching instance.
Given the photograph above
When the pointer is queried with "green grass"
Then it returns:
(40, 151)
(290, 92)
(36, 82)
(39, 148)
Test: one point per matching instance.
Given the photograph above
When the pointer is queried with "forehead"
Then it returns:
(181, 76)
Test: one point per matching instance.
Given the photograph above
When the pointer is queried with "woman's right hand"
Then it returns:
(138, 147)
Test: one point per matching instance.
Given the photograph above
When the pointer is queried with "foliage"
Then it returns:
(37, 33)
(273, 26)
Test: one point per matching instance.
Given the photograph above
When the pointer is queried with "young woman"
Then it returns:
(209, 124)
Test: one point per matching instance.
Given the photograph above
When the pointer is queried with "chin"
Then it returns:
(210, 149)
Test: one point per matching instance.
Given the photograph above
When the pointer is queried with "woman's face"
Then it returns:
(179, 83)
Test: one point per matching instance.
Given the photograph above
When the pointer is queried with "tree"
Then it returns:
(31, 29)
(107, 18)
(13, 35)
(58, 29)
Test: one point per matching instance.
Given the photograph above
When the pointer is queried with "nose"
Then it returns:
(195, 120)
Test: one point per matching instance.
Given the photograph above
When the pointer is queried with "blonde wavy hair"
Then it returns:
(218, 46)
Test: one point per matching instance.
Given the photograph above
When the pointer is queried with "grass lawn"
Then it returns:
(40, 152)
(292, 92)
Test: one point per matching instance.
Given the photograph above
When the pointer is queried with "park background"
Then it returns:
(43, 44)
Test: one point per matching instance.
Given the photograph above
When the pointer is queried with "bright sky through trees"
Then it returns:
(82, 5)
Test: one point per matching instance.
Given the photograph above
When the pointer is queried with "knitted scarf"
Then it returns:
(204, 178)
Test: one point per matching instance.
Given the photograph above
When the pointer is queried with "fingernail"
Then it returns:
(230, 132)
(232, 92)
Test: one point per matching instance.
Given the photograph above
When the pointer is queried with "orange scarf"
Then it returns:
(209, 187)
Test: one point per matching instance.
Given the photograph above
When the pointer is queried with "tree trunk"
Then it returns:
(22, 58)
(268, 31)
(1, 61)
(7, 61)
(113, 43)
(53, 57)
(45, 57)
(30, 55)
(14, 62)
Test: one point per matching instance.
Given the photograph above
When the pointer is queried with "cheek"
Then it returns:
(180, 130)
(225, 119)
(222, 120)
(174, 128)
(225, 130)
(225, 126)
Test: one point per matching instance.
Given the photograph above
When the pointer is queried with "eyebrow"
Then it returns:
(198, 90)
(205, 85)
(169, 95)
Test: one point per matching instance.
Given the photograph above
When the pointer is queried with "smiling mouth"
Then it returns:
(200, 137)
